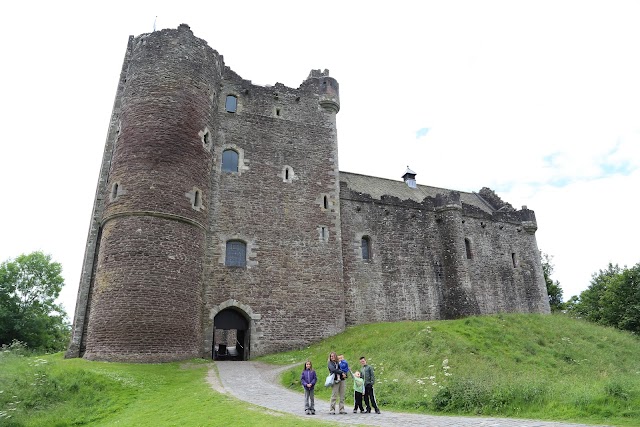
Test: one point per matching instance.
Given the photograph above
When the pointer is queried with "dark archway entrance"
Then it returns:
(231, 335)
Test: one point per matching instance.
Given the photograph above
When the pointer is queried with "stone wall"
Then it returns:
(292, 270)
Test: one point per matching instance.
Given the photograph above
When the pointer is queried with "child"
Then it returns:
(308, 380)
(344, 366)
(358, 391)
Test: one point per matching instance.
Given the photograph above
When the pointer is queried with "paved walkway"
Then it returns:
(257, 383)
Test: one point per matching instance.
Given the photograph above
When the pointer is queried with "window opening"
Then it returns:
(235, 254)
(513, 259)
(366, 252)
(206, 139)
(324, 234)
(277, 111)
(114, 191)
(230, 161)
(467, 245)
(326, 202)
(231, 104)
(197, 199)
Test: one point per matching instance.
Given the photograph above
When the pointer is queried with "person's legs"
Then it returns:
(357, 397)
(343, 390)
(312, 406)
(366, 398)
(335, 391)
(306, 399)
(373, 400)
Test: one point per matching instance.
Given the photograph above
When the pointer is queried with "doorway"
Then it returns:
(230, 335)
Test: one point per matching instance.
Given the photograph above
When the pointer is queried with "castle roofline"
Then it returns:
(377, 187)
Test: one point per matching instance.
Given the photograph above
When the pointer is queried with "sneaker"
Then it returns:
(343, 412)
(355, 411)
(332, 412)
(377, 411)
(313, 412)
(368, 411)
(306, 412)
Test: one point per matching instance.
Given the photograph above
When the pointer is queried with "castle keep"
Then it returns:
(220, 207)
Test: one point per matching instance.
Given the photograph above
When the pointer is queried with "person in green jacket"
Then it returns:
(358, 390)
(369, 379)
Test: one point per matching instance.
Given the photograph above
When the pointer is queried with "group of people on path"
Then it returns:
(363, 381)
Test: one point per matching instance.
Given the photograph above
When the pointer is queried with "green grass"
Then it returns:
(521, 366)
(50, 391)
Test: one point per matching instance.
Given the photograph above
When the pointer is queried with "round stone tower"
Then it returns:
(457, 295)
(146, 292)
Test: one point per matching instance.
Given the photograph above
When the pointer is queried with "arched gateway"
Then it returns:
(230, 333)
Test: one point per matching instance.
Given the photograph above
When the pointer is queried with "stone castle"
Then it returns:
(220, 207)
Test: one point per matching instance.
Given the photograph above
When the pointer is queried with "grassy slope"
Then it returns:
(525, 366)
(529, 366)
(50, 391)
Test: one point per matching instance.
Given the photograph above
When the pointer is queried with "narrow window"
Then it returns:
(326, 202)
(197, 199)
(467, 245)
(324, 234)
(277, 112)
(286, 174)
(114, 191)
(207, 139)
(236, 254)
(513, 259)
(366, 248)
(231, 104)
(230, 161)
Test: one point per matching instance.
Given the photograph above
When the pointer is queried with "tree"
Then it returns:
(589, 304)
(612, 299)
(553, 287)
(29, 286)
(621, 301)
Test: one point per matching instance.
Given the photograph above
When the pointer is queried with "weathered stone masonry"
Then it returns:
(156, 282)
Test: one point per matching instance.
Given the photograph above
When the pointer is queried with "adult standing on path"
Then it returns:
(339, 385)
(369, 380)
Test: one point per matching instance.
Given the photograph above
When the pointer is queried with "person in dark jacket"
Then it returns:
(369, 380)
(308, 380)
(339, 385)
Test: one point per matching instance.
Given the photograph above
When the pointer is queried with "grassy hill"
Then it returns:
(524, 366)
(529, 366)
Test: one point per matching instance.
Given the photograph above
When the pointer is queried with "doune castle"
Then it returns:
(220, 207)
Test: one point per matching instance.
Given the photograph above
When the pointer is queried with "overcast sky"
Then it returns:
(538, 100)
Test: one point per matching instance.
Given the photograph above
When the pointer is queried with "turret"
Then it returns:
(457, 296)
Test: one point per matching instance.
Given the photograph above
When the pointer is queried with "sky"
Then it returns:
(538, 100)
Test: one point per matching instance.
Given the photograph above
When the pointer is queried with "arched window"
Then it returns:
(366, 247)
(467, 245)
(231, 104)
(230, 161)
(236, 254)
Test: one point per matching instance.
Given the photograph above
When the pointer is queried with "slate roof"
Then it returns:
(378, 187)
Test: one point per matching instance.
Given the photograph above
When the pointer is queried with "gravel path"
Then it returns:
(257, 383)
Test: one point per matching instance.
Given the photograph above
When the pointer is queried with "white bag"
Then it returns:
(329, 381)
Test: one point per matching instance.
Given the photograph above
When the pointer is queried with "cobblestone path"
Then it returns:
(257, 383)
